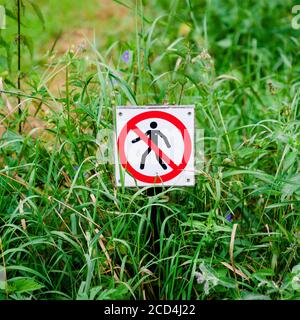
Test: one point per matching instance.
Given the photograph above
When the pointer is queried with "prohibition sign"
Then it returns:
(132, 125)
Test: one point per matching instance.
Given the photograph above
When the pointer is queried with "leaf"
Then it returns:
(3, 63)
(284, 231)
(290, 186)
(7, 46)
(9, 83)
(119, 293)
(263, 274)
(231, 246)
(237, 271)
(11, 14)
(296, 278)
(255, 296)
(122, 4)
(82, 295)
(20, 284)
(2, 278)
(225, 43)
(38, 12)
(125, 88)
(68, 239)
(2, 18)
(3, 43)
(285, 60)
(28, 42)
(289, 160)
(296, 269)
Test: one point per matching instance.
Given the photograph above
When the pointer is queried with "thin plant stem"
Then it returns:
(19, 63)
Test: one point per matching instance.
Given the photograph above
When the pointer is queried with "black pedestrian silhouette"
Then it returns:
(153, 135)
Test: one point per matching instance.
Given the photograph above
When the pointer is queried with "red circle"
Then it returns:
(165, 116)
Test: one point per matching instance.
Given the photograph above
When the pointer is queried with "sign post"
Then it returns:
(154, 146)
(155, 215)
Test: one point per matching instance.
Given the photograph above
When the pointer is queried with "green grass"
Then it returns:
(68, 232)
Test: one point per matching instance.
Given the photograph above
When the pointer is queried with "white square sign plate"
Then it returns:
(154, 145)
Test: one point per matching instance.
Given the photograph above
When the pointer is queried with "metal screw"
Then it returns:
(189, 113)
(120, 113)
(188, 180)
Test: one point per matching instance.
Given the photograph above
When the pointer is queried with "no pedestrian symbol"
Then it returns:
(154, 146)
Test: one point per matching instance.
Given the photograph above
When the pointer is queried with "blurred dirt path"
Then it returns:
(112, 18)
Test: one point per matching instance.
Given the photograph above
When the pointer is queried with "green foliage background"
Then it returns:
(68, 232)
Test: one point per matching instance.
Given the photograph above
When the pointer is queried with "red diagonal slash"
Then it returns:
(155, 148)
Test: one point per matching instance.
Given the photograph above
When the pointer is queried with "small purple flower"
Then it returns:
(229, 217)
(126, 56)
(76, 168)
(199, 277)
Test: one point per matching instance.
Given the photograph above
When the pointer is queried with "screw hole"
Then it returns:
(189, 113)
(120, 113)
